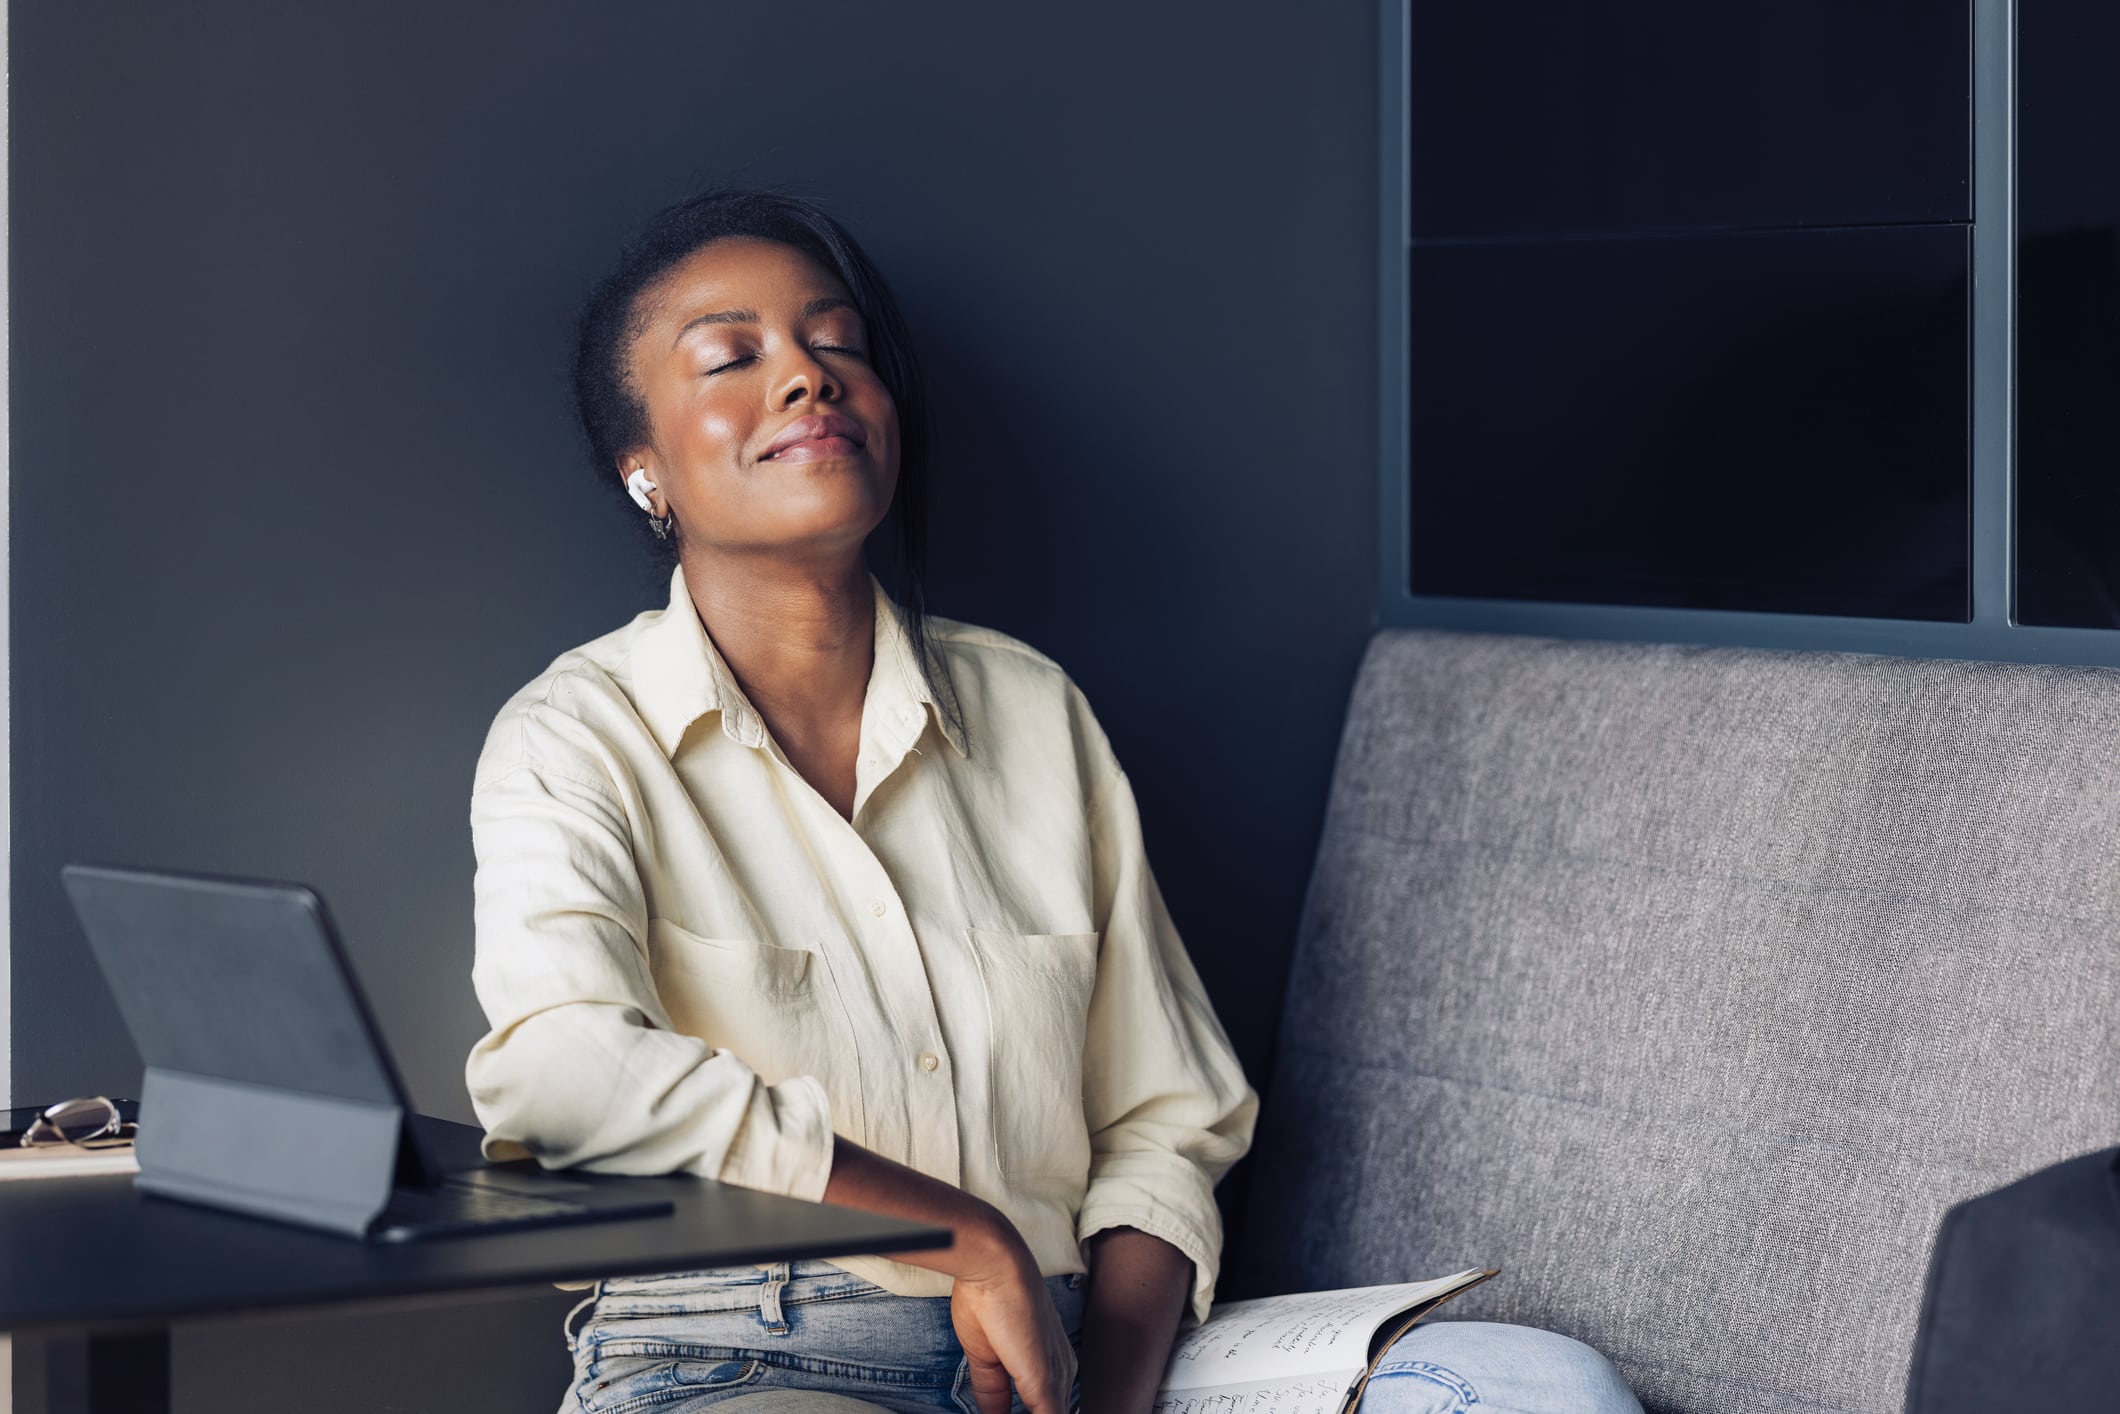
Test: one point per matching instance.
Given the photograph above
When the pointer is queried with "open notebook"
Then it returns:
(1309, 1353)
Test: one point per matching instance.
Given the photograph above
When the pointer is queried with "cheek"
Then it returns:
(716, 428)
(885, 418)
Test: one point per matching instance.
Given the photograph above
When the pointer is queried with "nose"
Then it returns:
(802, 377)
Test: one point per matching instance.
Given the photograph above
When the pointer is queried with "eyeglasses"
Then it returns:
(91, 1123)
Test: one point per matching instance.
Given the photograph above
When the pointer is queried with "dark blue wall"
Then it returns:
(298, 502)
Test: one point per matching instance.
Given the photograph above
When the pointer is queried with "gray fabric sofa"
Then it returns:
(1690, 987)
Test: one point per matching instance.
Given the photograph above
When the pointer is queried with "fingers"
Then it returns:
(990, 1387)
(1044, 1402)
(1012, 1330)
(1052, 1397)
(1054, 1400)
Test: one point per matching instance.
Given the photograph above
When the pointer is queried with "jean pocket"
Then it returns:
(682, 1293)
(621, 1384)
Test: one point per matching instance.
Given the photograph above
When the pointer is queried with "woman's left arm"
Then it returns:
(1166, 1102)
(1139, 1286)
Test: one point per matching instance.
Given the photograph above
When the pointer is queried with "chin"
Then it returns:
(826, 523)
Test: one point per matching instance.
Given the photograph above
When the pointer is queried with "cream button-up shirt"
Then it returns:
(690, 961)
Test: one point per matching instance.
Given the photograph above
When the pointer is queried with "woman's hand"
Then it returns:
(1004, 1318)
(1006, 1322)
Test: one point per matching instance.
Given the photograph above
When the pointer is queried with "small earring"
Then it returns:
(660, 525)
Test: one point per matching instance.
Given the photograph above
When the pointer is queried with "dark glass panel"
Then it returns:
(2068, 313)
(1763, 421)
(1530, 117)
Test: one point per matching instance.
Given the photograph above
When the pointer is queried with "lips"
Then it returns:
(821, 428)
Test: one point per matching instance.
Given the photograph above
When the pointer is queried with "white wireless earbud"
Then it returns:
(638, 486)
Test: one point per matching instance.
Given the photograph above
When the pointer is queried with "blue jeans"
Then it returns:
(1477, 1367)
(685, 1342)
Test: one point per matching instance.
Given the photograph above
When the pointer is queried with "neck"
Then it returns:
(800, 638)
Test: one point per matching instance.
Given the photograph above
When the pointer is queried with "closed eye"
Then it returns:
(732, 363)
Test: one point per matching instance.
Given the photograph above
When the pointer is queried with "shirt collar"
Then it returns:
(896, 679)
(680, 677)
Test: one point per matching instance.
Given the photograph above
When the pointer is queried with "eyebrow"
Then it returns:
(822, 304)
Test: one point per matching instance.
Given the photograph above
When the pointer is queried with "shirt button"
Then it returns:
(928, 1060)
(878, 907)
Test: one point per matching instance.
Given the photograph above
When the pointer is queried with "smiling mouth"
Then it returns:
(816, 449)
(816, 437)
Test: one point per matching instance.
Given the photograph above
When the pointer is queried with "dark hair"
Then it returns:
(616, 421)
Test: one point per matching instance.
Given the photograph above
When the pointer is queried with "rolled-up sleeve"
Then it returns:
(582, 1067)
(1168, 1107)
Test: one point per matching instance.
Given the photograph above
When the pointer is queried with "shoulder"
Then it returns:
(993, 652)
(575, 718)
(1015, 697)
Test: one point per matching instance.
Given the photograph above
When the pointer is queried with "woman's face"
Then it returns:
(768, 430)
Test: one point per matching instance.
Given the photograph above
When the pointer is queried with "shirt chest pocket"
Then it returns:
(1038, 989)
(774, 1007)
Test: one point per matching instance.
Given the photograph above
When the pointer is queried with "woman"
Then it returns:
(789, 886)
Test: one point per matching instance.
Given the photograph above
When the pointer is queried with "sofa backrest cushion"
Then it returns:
(1689, 987)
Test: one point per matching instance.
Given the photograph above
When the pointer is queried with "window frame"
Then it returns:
(1992, 633)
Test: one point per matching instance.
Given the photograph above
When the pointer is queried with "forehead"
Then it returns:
(736, 273)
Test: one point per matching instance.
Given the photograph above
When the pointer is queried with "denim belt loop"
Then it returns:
(587, 1303)
(769, 1311)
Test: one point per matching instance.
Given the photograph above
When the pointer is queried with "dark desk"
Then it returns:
(91, 1257)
